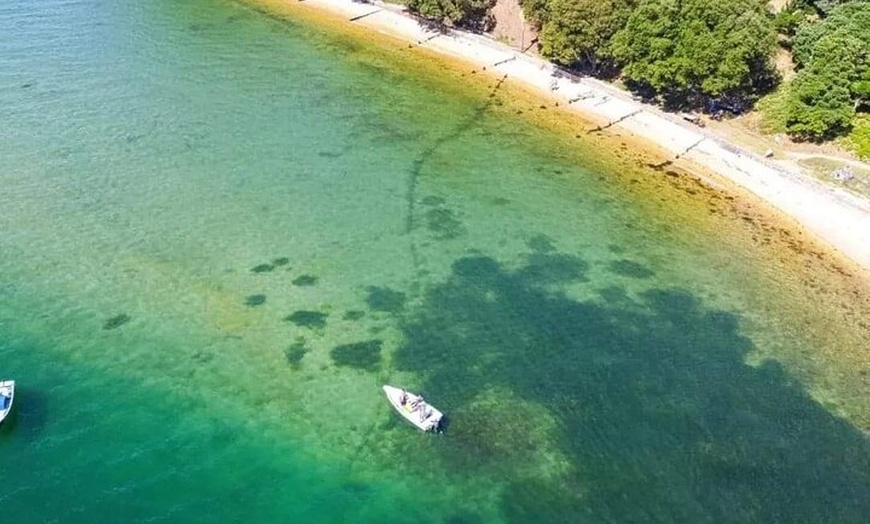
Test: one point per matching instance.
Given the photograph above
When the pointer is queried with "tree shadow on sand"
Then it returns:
(650, 403)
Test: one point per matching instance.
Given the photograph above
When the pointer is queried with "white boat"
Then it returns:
(7, 393)
(416, 410)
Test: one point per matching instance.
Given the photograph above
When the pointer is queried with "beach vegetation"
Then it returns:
(695, 52)
(467, 14)
(789, 19)
(577, 33)
(850, 19)
(832, 85)
(826, 6)
(859, 139)
(773, 112)
(807, 62)
(817, 108)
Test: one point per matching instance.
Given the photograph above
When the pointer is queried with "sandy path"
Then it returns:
(839, 219)
(511, 27)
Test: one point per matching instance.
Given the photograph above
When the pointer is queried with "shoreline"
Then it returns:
(836, 218)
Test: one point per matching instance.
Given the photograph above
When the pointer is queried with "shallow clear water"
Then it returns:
(222, 232)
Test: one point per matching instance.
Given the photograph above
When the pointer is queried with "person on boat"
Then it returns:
(418, 402)
(403, 397)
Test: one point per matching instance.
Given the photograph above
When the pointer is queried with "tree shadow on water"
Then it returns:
(648, 397)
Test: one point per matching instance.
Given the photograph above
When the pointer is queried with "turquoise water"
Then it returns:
(222, 232)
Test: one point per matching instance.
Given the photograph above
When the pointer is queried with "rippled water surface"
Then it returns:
(222, 232)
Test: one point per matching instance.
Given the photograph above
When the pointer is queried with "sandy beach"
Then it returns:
(835, 217)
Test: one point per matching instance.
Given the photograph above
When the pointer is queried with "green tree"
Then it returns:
(851, 19)
(859, 138)
(817, 110)
(536, 11)
(578, 32)
(693, 50)
(861, 90)
(834, 79)
(470, 14)
(826, 6)
(789, 18)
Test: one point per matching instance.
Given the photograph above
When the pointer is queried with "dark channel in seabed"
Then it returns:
(660, 417)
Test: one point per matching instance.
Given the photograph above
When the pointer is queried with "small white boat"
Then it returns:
(7, 393)
(416, 410)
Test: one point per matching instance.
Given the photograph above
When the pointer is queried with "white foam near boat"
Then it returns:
(7, 393)
(416, 410)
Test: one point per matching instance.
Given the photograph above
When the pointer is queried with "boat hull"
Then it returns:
(7, 396)
(414, 410)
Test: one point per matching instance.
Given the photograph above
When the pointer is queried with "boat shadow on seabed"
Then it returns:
(28, 417)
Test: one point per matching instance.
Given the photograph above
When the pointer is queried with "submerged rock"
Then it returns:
(353, 314)
(629, 268)
(116, 321)
(443, 223)
(541, 244)
(385, 299)
(305, 280)
(361, 355)
(295, 353)
(309, 319)
(262, 268)
(255, 300)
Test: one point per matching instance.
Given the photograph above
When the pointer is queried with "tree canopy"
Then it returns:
(694, 50)
(691, 53)
(834, 79)
(470, 14)
(852, 19)
(577, 33)
(826, 6)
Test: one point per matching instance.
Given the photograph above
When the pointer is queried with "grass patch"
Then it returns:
(859, 139)
(773, 110)
(823, 169)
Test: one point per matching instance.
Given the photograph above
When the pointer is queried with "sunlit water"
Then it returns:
(222, 232)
